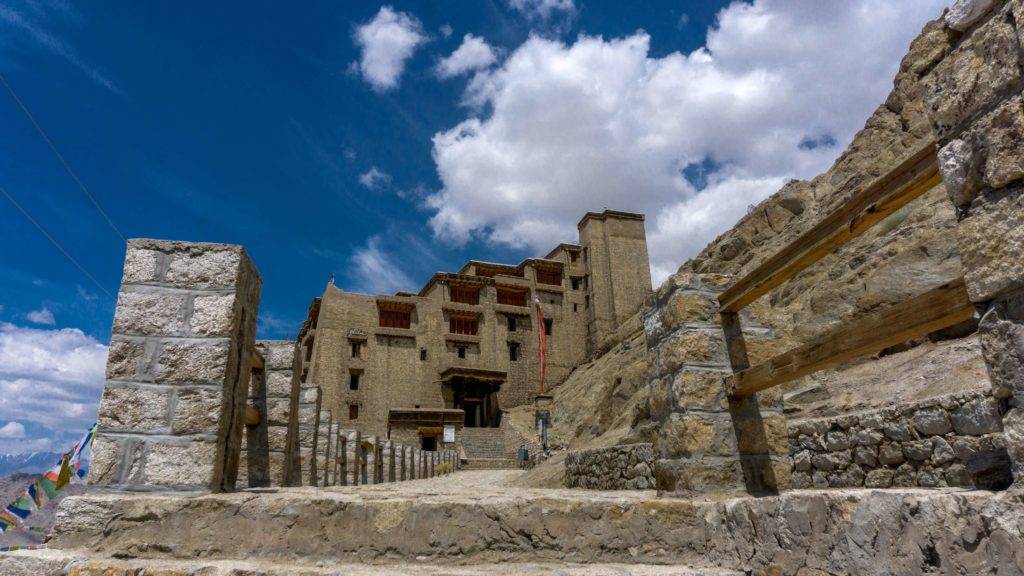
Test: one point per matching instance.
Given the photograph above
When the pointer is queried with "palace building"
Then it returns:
(466, 347)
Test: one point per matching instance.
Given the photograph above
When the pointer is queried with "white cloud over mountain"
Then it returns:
(386, 42)
(564, 128)
(50, 382)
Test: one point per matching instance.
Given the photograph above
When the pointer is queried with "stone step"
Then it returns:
(490, 464)
(483, 518)
(59, 563)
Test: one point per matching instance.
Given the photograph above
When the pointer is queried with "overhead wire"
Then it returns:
(60, 157)
(54, 242)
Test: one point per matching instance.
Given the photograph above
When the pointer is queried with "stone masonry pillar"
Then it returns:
(277, 359)
(172, 412)
(707, 442)
(977, 111)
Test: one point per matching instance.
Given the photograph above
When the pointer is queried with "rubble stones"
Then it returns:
(625, 467)
(930, 443)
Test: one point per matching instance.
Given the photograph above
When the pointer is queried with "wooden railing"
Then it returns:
(939, 308)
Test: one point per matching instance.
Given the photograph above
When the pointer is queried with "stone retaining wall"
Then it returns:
(627, 467)
(951, 440)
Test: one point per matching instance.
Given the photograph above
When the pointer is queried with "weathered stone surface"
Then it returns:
(964, 13)
(932, 422)
(179, 466)
(692, 347)
(192, 362)
(973, 76)
(124, 359)
(279, 383)
(212, 315)
(699, 390)
(206, 269)
(141, 266)
(137, 408)
(626, 467)
(991, 243)
(149, 313)
(841, 532)
(891, 454)
(1002, 343)
(197, 411)
(879, 478)
(686, 307)
(978, 417)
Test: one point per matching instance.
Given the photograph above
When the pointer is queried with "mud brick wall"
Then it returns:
(952, 440)
(975, 103)
(177, 372)
(626, 467)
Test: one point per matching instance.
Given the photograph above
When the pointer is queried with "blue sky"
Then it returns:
(380, 143)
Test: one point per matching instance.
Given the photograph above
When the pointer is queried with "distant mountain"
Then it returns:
(27, 463)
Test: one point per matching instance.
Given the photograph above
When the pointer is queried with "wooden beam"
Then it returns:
(944, 306)
(914, 176)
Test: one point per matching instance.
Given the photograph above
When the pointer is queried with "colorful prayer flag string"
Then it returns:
(48, 486)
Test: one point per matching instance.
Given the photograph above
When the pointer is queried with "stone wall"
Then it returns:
(703, 441)
(977, 112)
(951, 440)
(627, 467)
(178, 368)
(277, 359)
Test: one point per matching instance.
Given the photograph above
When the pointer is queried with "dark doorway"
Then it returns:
(479, 400)
(428, 443)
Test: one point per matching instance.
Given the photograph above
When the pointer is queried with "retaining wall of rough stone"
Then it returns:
(626, 467)
(951, 440)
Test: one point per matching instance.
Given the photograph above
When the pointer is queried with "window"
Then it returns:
(464, 294)
(462, 325)
(513, 351)
(573, 306)
(549, 276)
(462, 351)
(511, 323)
(511, 297)
(548, 324)
(575, 283)
(353, 380)
(573, 255)
(586, 282)
(357, 348)
(395, 318)
(586, 301)
(423, 354)
(353, 411)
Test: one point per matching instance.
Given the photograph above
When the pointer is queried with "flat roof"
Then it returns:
(610, 214)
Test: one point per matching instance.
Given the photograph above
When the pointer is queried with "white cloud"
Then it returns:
(376, 271)
(12, 431)
(41, 316)
(446, 30)
(600, 123)
(387, 42)
(374, 179)
(473, 54)
(51, 379)
(543, 9)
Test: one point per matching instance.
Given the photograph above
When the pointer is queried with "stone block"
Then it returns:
(134, 408)
(212, 315)
(932, 422)
(765, 434)
(918, 450)
(659, 399)
(879, 478)
(197, 411)
(691, 347)
(978, 417)
(965, 13)
(279, 384)
(698, 476)
(141, 265)
(891, 454)
(991, 242)
(685, 307)
(1001, 331)
(987, 155)
(203, 268)
(107, 455)
(699, 390)
(277, 354)
(124, 359)
(179, 465)
(149, 313)
(192, 362)
(973, 77)
(278, 411)
(688, 435)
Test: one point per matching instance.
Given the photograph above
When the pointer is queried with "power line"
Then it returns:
(53, 147)
(55, 243)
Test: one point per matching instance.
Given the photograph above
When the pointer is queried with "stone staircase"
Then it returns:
(485, 449)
